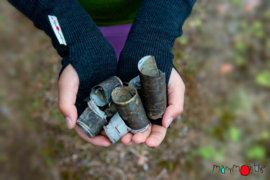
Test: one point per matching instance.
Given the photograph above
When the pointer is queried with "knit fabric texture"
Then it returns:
(87, 50)
(156, 26)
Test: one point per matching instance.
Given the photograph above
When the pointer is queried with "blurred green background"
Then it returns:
(224, 60)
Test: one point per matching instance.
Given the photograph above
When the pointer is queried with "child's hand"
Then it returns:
(67, 93)
(155, 134)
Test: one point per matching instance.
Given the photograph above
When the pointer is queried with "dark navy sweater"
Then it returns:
(156, 26)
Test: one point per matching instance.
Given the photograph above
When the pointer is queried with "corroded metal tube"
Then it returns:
(130, 108)
(116, 128)
(109, 110)
(101, 93)
(153, 84)
(92, 120)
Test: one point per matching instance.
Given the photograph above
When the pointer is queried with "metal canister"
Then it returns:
(153, 84)
(92, 120)
(116, 128)
(101, 93)
(109, 110)
(130, 108)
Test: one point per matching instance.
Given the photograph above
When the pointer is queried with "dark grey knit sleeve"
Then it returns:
(86, 48)
(156, 26)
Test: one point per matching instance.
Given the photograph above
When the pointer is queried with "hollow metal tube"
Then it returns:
(130, 108)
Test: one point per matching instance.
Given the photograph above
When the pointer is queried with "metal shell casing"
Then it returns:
(153, 86)
(93, 119)
(109, 110)
(130, 108)
(116, 128)
(90, 122)
(101, 93)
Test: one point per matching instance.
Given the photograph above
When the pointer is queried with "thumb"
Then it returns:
(68, 86)
(176, 92)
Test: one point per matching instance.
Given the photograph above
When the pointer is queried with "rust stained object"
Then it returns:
(109, 110)
(92, 120)
(130, 108)
(101, 93)
(133, 85)
(153, 86)
(136, 82)
(116, 128)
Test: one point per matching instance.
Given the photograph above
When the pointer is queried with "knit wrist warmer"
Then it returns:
(156, 26)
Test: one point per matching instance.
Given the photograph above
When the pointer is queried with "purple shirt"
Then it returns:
(117, 36)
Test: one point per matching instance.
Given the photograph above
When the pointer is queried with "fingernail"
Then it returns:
(68, 121)
(169, 122)
(106, 144)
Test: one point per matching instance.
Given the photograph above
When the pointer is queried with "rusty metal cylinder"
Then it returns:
(109, 110)
(153, 84)
(101, 93)
(91, 122)
(130, 108)
(116, 128)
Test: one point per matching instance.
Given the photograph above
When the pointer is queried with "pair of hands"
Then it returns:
(68, 86)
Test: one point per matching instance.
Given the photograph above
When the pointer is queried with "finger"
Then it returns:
(103, 133)
(176, 92)
(98, 140)
(141, 137)
(156, 137)
(127, 139)
(67, 91)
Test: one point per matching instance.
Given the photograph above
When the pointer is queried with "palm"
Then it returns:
(152, 137)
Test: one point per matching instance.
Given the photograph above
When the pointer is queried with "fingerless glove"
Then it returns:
(156, 26)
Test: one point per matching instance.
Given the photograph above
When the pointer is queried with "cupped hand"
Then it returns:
(68, 86)
(155, 134)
